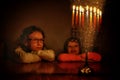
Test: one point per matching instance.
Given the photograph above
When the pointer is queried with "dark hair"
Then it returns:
(26, 32)
(74, 39)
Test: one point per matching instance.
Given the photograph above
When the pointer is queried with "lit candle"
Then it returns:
(90, 16)
(94, 22)
(77, 15)
(82, 17)
(80, 11)
(73, 14)
(98, 18)
(87, 17)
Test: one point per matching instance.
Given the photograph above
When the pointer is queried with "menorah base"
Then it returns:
(86, 70)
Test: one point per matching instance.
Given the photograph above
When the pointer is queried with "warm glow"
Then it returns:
(89, 14)
(77, 18)
(73, 13)
(87, 7)
(86, 20)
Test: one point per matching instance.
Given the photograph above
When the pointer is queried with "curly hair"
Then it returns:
(74, 39)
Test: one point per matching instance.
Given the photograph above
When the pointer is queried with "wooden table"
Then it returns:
(54, 71)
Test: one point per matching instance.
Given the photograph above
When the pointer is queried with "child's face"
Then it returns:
(73, 47)
(35, 41)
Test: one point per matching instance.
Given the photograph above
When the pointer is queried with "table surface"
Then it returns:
(54, 70)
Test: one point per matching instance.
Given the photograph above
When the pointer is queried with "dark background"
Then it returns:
(54, 17)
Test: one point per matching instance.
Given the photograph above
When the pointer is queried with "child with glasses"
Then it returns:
(31, 47)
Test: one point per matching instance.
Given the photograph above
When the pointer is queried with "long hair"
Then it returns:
(71, 39)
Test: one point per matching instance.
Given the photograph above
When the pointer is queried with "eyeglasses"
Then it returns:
(37, 40)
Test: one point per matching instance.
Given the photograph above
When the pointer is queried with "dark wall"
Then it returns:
(108, 35)
(54, 17)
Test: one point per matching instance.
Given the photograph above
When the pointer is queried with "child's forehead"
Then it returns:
(73, 40)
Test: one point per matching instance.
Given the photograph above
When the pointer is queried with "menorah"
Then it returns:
(86, 22)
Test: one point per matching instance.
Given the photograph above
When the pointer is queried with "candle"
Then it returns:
(94, 22)
(90, 16)
(87, 17)
(80, 11)
(73, 14)
(77, 15)
(98, 18)
(82, 17)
